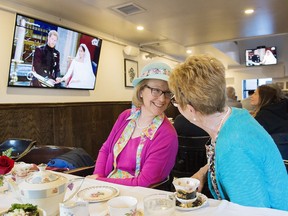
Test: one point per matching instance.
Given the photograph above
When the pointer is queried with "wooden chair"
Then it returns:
(191, 155)
(82, 171)
(190, 158)
(163, 185)
(19, 146)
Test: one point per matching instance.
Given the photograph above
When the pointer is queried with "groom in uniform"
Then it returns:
(46, 60)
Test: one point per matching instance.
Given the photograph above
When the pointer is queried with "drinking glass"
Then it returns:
(159, 204)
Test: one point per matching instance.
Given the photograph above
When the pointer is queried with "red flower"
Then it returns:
(6, 164)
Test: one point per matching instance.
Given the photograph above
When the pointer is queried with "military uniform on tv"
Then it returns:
(46, 63)
(256, 58)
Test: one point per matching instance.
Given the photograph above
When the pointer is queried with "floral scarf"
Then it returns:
(148, 132)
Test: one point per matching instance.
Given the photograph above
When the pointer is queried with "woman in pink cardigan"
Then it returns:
(142, 146)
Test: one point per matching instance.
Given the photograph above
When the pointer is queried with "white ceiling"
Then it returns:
(172, 26)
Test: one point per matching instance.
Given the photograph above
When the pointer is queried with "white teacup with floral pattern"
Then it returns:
(186, 188)
(122, 206)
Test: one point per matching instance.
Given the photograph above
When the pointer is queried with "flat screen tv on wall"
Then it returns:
(45, 55)
(261, 56)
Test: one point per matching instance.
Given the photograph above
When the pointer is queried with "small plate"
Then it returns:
(201, 201)
(98, 193)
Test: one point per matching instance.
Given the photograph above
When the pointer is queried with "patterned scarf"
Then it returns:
(210, 151)
(148, 132)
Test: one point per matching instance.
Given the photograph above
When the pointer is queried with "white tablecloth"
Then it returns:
(213, 208)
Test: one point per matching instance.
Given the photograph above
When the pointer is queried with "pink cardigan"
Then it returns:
(157, 158)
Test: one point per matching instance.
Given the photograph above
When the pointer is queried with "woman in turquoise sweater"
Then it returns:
(244, 164)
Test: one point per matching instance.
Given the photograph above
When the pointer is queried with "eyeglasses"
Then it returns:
(155, 92)
(174, 102)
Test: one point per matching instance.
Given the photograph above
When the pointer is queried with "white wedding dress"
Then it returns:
(80, 74)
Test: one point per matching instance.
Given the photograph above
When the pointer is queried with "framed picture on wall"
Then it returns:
(130, 71)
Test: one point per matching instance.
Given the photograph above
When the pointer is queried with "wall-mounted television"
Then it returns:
(261, 55)
(45, 55)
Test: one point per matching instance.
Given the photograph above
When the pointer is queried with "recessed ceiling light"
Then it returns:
(188, 51)
(249, 11)
(140, 28)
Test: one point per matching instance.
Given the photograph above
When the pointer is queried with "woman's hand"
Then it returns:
(201, 175)
(58, 80)
(95, 176)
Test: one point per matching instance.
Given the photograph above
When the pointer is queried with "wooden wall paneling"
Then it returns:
(27, 122)
(86, 125)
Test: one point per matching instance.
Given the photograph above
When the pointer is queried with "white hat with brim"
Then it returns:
(156, 70)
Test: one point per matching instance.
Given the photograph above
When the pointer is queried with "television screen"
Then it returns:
(45, 55)
(261, 56)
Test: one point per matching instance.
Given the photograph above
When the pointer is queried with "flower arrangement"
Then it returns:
(6, 164)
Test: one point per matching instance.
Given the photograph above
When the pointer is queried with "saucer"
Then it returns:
(98, 193)
(201, 201)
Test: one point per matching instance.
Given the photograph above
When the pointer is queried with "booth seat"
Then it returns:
(43, 153)
(19, 146)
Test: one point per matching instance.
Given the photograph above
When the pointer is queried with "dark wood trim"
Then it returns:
(81, 124)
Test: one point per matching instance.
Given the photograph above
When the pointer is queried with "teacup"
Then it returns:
(21, 169)
(186, 188)
(122, 206)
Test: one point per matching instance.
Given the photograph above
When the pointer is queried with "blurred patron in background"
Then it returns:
(246, 103)
(142, 146)
(232, 98)
(244, 164)
(271, 109)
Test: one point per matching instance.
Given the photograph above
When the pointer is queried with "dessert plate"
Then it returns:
(201, 201)
(98, 193)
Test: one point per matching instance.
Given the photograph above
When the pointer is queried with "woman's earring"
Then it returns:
(194, 119)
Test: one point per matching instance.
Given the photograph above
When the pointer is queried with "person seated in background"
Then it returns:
(280, 93)
(246, 103)
(186, 128)
(141, 149)
(232, 98)
(244, 164)
(271, 109)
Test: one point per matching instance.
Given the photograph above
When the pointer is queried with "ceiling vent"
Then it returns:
(128, 9)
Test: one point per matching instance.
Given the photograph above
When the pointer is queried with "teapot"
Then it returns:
(44, 188)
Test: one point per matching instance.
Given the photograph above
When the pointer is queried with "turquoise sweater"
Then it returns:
(249, 167)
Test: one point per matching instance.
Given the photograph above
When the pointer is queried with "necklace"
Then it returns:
(221, 122)
(138, 126)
